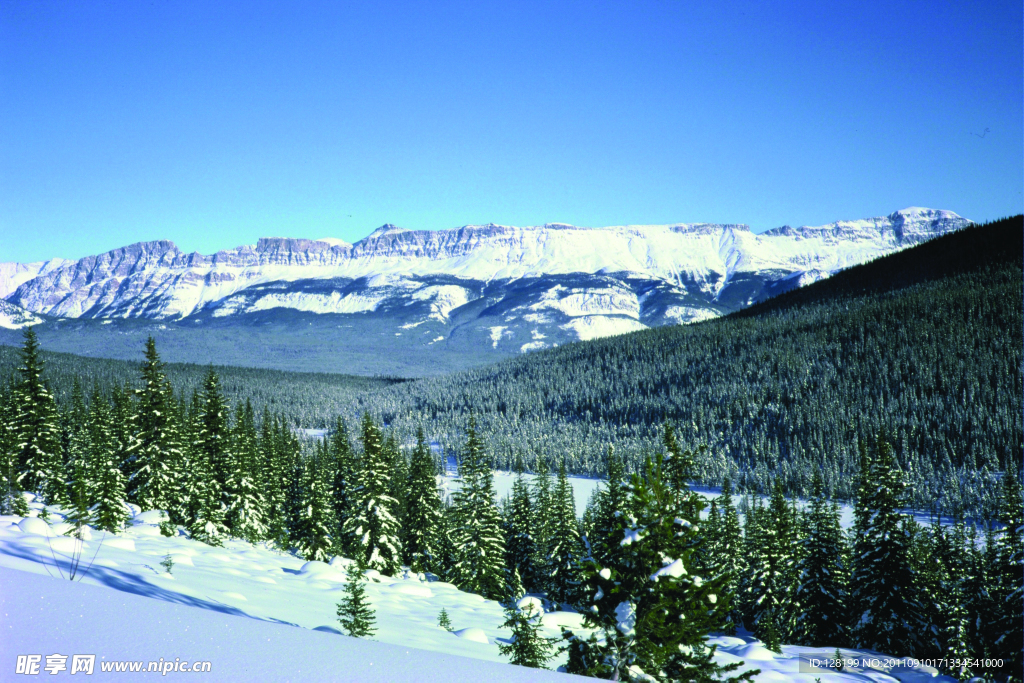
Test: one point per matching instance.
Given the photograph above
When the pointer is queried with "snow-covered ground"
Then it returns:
(256, 613)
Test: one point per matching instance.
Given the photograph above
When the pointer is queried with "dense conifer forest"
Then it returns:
(924, 345)
(652, 573)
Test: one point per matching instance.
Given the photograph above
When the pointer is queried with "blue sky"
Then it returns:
(213, 123)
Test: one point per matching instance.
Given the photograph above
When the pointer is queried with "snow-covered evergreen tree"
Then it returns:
(247, 515)
(40, 466)
(824, 575)
(345, 482)
(1005, 632)
(209, 463)
(477, 537)
(528, 645)
(110, 510)
(275, 470)
(728, 558)
(373, 527)
(316, 525)
(355, 611)
(565, 551)
(153, 478)
(613, 501)
(884, 591)
(648, 598)
(520, 550)
(423, 509)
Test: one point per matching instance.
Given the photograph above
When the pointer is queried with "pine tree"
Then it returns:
(423, 509)
(1006, 629)
(317, 525)
(345, 483)
(477, 537)
(520, 549)
(247, 515)
(11, 500)
(209, 464)
(565, 552)
(444, 621)
(884, 586)
(612, 503)
(354, 611)
(111, 510)
(728, 561)
(772, 584)
(373, 527)
(541, 522)
(36, 426)
(651, 604)
(399, 479)
(213, 440)
(153, 479)
(528, 646)
(824, 575)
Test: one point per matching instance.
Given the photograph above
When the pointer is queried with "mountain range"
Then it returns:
(430, 300)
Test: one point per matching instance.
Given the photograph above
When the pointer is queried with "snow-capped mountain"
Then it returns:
(507, 288)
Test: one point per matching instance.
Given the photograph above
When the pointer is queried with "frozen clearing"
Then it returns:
(257, 613)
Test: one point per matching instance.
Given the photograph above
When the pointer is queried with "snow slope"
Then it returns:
(259, 614)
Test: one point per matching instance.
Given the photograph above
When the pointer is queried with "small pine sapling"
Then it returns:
(354, 611)
(167, 563)
(528, 647)
(444, 621)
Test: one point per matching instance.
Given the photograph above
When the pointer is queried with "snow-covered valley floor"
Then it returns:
(259, 614)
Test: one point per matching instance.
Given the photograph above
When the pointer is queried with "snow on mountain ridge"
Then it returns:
(156, 280)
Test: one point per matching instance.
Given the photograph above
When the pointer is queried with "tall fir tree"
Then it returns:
(612, 503)
(1005, 632)
(247, 515)
(423, 509)
(565, 551)
(40, 469)
(316, 524)
(478, 540)
(110, 511)
(520, 549)
(648, 598)
(373, 526)
(153, 478)
(824, 575)
(884, 586)
(211, 462)
(345, 483)
(275, 472)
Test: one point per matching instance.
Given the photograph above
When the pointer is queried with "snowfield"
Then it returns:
(258, 614)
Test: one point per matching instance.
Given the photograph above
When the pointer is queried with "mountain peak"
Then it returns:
(386, 229)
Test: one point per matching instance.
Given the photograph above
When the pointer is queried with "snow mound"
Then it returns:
(477, 635)
(34, 525)
(416, 589)
(528, 602)
(755, 651)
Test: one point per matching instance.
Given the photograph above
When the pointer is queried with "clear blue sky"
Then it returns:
(215, 123)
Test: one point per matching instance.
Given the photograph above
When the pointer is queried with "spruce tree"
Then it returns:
(1005, 632)
(613, 501)
(247, 516)
(373, 527)
(520, 550)
(36, 425)
(153, 480)
(653, 607)
(728, 561)
(423, 509)
(884, 586)
(565, 552)
(477, 537)
(541, 522)
(345, 483)
(354, 611)
(824, 575)
(316, 527)
(209, 464)
(528, 646)
(110, 511)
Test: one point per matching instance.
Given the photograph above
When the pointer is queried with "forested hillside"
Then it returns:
(931, 354)
(924, 345)
(308, 399)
